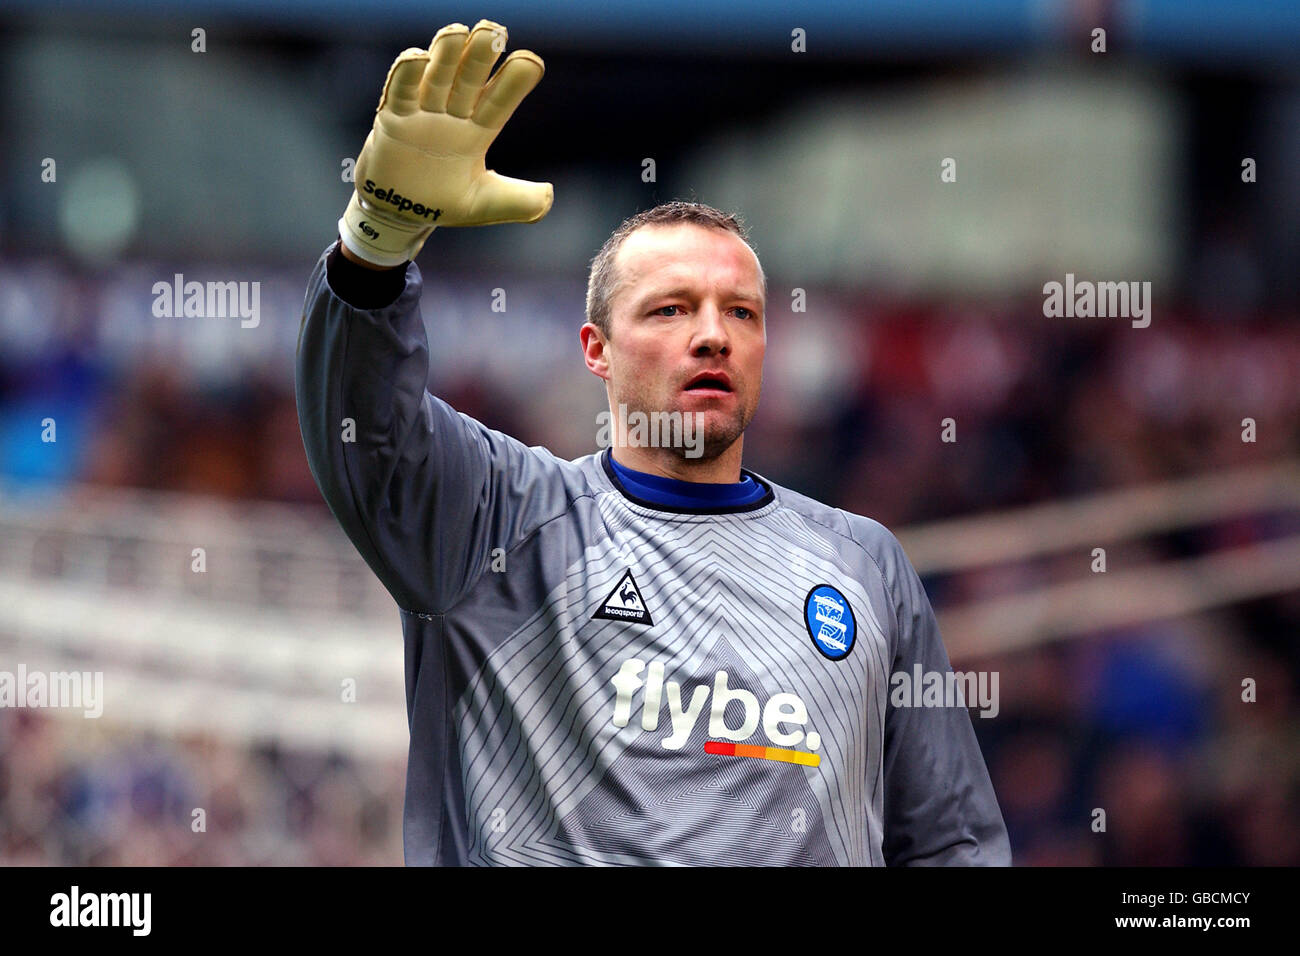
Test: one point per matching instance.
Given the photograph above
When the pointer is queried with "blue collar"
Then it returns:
(673, 494)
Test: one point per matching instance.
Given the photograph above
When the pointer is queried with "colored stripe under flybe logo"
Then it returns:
(762, 753)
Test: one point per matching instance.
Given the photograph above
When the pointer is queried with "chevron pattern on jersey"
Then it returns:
(548, 777)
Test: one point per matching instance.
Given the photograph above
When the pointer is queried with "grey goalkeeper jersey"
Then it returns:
(594, 679)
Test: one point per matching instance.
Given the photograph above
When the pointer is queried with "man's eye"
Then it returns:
(747, 313)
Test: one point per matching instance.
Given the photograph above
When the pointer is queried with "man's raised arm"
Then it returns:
(424, 492)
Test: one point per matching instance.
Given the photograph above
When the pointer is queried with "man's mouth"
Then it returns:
(709, 382)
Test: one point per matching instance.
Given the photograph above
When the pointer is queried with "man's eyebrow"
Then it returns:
(679, 292)
(683, 293)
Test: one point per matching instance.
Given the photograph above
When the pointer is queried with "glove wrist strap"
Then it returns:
(377, 238)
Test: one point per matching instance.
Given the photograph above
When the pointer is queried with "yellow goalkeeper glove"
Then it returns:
(423, 163)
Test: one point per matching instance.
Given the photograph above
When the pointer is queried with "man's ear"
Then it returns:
(594, 350)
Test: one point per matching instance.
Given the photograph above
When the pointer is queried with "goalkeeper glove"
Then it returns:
(423, 163)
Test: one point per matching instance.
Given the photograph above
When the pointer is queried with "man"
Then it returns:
(648, 655)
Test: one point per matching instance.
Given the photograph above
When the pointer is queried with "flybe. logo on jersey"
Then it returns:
(781, 711)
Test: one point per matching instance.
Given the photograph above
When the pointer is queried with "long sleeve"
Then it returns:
(939, 804)
(424, 492)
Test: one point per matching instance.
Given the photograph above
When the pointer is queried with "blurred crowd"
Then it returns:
(1146, 724)
(86, 793)
(1136, 748)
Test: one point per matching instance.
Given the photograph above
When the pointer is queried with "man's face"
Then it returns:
(688, 301)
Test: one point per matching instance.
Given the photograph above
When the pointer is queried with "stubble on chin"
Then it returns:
(719, 436)
(720, 433)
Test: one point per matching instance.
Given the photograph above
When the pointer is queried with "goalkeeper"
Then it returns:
(648, 655)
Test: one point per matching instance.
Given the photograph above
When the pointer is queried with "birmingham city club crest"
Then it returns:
(830, 621)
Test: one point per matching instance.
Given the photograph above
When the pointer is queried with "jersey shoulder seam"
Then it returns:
(523, 539)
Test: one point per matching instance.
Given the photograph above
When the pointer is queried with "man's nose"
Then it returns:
(711, 331)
